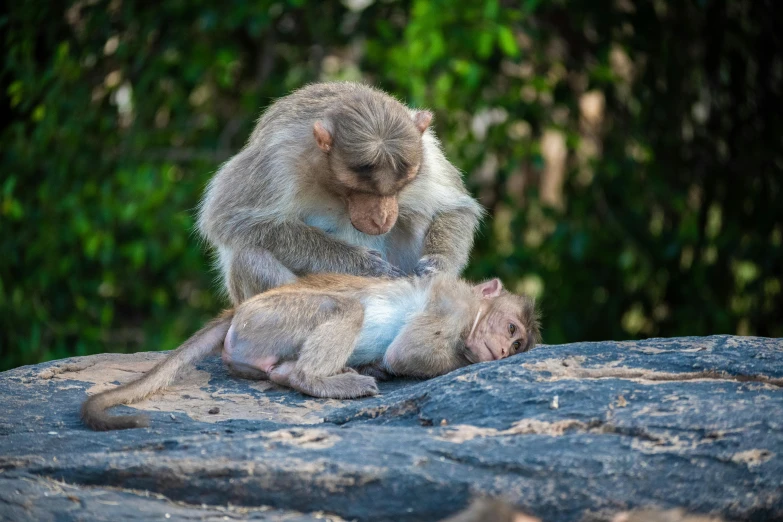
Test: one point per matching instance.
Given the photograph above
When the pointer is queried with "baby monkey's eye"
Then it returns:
(512, 329)
(517, 345)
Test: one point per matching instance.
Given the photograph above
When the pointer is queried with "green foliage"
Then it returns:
(629, 154)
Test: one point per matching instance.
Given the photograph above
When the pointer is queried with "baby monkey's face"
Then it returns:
(505, 324)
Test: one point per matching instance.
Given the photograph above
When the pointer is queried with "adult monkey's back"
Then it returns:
(337, 177)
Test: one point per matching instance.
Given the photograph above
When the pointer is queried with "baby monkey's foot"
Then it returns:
(359, 385)
(344, 385)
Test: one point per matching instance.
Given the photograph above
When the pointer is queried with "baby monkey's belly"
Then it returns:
(385, 316)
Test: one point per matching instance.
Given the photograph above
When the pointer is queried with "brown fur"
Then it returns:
(337, 177)
(304, 335)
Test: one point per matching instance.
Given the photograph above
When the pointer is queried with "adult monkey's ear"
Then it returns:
(323, 138)
(422, 120)
(489, 289)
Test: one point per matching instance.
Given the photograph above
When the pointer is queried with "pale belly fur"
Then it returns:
(404, 253)
(343, 230)
(384, 318)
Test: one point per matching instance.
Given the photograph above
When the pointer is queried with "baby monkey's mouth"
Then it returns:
(492, 355)
(481, 352)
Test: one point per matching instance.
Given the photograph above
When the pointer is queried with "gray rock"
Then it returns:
(570, 432)
(29, 497)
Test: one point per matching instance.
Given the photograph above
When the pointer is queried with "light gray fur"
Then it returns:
(270, 219)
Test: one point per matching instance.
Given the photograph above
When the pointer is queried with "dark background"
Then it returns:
(630, 153)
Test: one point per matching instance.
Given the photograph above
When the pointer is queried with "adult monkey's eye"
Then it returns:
(517, 345)
(512, 329)
(363, 170)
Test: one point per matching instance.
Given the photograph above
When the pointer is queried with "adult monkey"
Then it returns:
(337, 177)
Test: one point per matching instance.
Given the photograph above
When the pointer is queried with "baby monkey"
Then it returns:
(333, 335)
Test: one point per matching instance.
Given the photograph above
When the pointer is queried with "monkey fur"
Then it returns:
(332, 335)
(337, 177)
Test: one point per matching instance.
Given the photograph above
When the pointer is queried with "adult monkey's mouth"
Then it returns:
(372, 215)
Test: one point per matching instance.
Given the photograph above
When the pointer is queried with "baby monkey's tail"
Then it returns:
(204, 342)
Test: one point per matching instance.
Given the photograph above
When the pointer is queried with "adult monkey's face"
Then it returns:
(374, 150)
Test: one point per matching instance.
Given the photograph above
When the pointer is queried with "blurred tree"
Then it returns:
(629, 153)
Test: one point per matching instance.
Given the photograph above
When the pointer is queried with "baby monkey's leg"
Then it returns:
(268, 331)
(299, 339)
(321, 369)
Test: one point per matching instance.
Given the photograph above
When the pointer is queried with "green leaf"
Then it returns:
(507, 42)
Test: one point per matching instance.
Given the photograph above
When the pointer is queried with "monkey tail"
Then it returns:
(202, 343)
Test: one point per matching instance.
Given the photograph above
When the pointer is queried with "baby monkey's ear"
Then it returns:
(489, 289)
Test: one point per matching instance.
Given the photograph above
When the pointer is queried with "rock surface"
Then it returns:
(570, 432)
